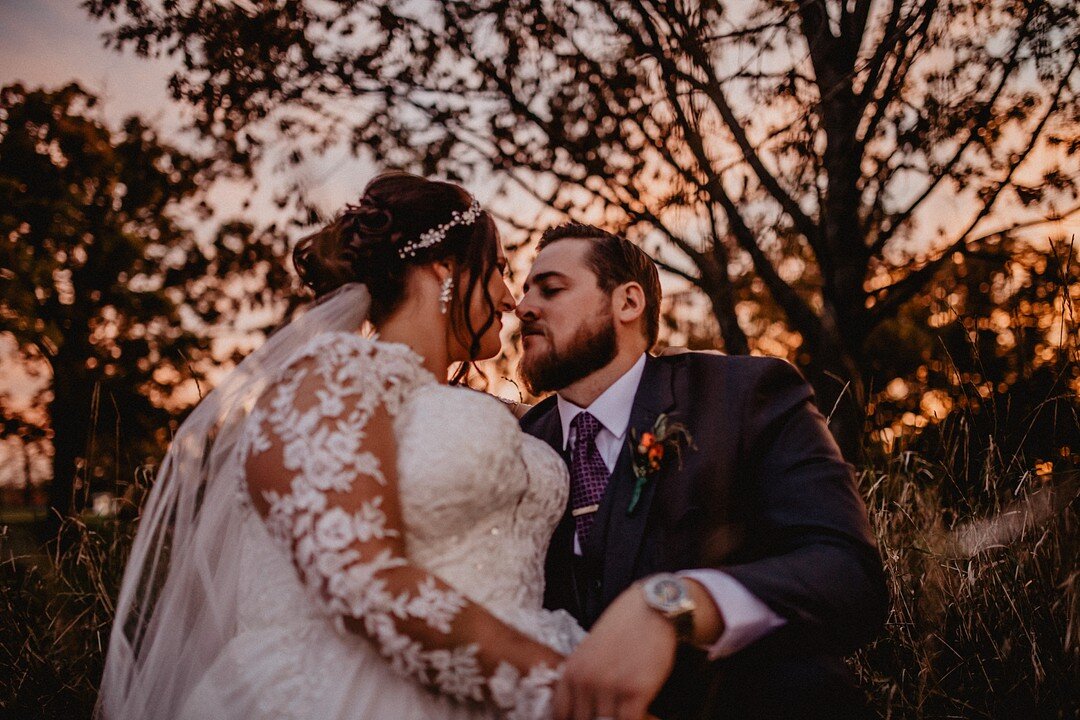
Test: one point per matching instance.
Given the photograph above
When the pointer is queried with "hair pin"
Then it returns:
(437, 234)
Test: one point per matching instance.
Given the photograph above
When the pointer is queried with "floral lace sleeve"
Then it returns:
(320, 470)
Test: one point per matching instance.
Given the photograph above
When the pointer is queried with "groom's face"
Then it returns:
(567, 326)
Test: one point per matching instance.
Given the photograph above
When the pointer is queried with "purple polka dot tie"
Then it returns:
(588, 474)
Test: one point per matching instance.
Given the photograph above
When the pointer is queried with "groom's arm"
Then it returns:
(818, 566)
(744, 618)
(819, 570)
(622, 663)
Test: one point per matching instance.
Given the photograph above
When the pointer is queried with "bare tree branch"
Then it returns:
(900, 292)
(712, 88)
(1008, 67)
(782, 292)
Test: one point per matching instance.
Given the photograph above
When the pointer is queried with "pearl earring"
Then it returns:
(444, 296)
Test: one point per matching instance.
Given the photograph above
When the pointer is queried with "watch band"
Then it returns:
(684, 625)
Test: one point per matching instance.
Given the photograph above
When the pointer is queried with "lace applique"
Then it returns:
(523, 698)
(327, 499)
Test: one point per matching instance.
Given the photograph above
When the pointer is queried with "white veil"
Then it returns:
(178, 601)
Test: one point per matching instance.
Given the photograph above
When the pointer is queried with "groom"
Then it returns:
(714, 542)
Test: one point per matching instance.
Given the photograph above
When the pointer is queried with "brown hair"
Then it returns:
(362, 245)
(614, 261)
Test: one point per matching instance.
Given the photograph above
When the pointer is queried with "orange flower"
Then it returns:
(656, 454)
(650, 450)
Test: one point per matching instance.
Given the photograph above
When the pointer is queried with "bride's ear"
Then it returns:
(443, 269)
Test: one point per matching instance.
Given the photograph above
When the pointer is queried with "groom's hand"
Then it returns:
(620, 666)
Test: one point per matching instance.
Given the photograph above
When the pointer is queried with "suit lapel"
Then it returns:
(622, 533)
(549, 429)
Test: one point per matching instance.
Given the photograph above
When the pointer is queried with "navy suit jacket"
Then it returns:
(764, 495)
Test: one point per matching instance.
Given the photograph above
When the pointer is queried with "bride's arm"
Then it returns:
(322, 473)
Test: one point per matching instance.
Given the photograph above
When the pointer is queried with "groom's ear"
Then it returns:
(628, 302)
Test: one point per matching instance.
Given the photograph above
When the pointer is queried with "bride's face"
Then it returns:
(495, 287)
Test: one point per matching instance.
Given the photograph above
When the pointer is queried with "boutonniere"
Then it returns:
(665, 438)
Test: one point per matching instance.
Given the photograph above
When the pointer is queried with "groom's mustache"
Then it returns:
(532, 329)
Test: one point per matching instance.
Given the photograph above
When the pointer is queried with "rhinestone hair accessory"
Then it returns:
(437, 234)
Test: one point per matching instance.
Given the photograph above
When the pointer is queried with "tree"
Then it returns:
(102, 281)
(988, 374)
(809, 145)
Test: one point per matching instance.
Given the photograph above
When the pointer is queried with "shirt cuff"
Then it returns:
(746, 618)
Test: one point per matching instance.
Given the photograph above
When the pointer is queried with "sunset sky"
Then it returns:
(48, 43)
(52, 42)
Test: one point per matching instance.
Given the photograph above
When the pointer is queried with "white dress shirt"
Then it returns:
(746, 618)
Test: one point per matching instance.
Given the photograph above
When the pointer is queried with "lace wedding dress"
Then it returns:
(370, 591)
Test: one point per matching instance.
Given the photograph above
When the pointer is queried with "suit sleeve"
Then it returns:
(817, 566)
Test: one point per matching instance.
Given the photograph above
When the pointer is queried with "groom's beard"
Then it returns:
(590, 349)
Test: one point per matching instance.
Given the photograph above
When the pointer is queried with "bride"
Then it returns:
(336, 532)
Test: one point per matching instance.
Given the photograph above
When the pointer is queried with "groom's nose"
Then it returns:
(525, 309)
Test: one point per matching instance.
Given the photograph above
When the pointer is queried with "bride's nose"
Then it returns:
(507, 303)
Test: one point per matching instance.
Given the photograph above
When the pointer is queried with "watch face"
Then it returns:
(669, 595)
(668, 592)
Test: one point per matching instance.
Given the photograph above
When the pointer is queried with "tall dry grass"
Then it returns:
(56, 608)
(981, 540)
(985, 609)
(985, 618)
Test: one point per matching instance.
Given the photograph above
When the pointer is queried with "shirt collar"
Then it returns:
(612, 408)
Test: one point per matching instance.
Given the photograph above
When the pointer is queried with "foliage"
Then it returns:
(991, 352)
(985, 604)
(817, 147)
(103, 282)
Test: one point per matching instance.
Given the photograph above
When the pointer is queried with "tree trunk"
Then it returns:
(28, 482)
(70, 414)
(830, 370)
(840, 395)
(839, 399)
(717, 286)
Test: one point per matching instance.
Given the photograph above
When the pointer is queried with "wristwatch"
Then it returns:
(669, 595)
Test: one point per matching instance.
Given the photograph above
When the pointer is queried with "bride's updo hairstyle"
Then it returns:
(365, 244)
